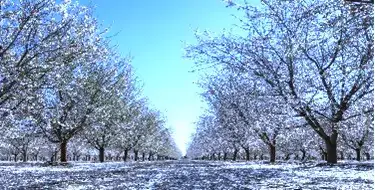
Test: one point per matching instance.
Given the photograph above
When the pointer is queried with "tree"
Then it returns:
(20, 135)
(361, 1)
(167, 148)
(76, 147)
(103, 125)
(298, 140)
(246, 112)
(46, 46)
(38, 38)
(357, 132)
(146, 126)
(127, 133)
(70, 106)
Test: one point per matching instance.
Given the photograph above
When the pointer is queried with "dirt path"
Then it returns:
(186, 175)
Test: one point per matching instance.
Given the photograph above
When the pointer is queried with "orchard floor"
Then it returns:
(186, 174)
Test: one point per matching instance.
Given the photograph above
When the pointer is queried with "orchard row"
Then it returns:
(62, 84)
(294, 78)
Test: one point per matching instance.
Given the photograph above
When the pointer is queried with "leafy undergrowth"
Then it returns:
(187, 174)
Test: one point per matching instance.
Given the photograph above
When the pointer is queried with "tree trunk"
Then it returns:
(296, 156)
(368, 157)
(135, 155)
(125, 155)
(213, 156)
(225, 156)
(287, 156)
(331, 146)
(272, 150)
(255, 157)
(235, 154)
(24, 156)
(15, 157)
(323, 153)
(342, 155)
(63, 151)
(101, 154)
(324, 156)
(143, 156)
(149, 156)
(247, 151)
(219, 156)
(303, 155)
(358, 154)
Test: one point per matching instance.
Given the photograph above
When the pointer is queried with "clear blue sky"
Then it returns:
(153, 32)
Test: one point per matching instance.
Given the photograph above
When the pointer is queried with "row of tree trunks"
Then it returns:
(214, 156)
(330, 155)
(224, 156)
